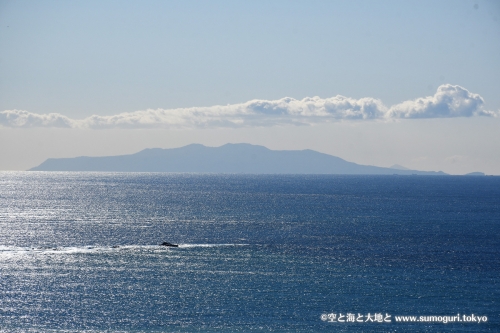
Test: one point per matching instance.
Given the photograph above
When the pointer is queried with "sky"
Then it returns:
(414, 83)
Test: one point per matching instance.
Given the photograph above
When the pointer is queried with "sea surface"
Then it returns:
(79, 252)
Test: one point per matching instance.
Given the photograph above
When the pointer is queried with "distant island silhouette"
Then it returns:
(477, 173)
(229, 158)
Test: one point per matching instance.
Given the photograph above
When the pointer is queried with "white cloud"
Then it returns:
(20, 118)
(449, 101)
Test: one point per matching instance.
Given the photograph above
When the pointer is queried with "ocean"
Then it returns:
(79, 252)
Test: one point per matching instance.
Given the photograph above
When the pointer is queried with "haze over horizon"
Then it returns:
(410, 83)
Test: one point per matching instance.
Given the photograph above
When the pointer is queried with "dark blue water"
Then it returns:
(79, 252)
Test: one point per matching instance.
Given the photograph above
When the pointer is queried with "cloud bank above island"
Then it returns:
(449, 101)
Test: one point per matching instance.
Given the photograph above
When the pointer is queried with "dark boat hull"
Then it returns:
(169, 244)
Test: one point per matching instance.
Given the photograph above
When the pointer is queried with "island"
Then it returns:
(239, 158)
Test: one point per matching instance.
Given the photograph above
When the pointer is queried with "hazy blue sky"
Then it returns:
(375, 82)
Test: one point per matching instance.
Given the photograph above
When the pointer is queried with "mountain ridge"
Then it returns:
(228, 158)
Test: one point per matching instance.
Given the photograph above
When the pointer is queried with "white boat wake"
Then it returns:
(17, 250)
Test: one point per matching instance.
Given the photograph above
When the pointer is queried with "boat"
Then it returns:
(169, 244)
